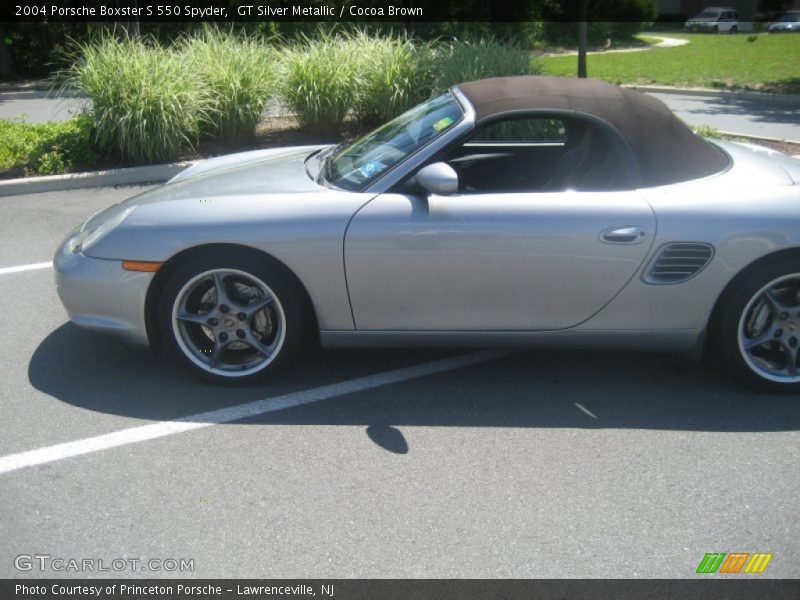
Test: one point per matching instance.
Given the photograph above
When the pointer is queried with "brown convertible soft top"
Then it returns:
(664, 148)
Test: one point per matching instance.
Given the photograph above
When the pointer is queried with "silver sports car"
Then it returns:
(520, 211)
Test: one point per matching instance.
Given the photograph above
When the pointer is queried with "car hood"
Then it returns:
(280, 170)
(259, 173)
(238, 199)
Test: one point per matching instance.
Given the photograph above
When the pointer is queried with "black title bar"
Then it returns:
(402, 11)
(405, 589)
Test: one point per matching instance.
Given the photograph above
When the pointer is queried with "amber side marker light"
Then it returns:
(141, 265)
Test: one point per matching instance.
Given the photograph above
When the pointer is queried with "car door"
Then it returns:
(495, 261)
(726, 22)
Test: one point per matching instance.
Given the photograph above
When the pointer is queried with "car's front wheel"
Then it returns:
(759, 334)
(232, 318)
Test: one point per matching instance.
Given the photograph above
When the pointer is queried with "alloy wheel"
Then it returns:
(228, 322)
(769, 330)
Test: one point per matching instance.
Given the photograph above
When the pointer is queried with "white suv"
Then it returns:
(715, 20)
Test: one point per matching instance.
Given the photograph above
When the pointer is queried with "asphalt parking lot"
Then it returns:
(524, 464)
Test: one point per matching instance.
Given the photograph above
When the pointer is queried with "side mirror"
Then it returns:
(438, 178)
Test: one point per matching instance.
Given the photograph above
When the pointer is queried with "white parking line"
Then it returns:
(49, 454)
(586, 410)
(20, 268)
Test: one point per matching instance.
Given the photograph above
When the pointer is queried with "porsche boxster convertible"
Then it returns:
(519, 211)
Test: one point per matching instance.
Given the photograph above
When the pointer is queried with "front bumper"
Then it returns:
(101, 296)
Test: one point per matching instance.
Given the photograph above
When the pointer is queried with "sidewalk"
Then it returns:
(666, 42)
(38, 105)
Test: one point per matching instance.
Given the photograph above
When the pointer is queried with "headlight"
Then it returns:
(83, 240)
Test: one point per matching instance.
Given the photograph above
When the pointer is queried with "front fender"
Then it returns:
(305, 232)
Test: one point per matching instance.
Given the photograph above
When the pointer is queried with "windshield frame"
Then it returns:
(334, 151)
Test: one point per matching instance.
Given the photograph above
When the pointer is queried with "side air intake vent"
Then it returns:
(678, 262)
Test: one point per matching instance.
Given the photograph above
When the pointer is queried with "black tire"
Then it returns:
(733, 29)
(716, 29)
(744, 297)
(288, 316)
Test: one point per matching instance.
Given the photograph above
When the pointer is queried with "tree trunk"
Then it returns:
(582, 43)
(130, 28)
(5, 56)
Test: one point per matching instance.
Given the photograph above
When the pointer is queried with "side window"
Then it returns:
(536, 154)
(531, 130)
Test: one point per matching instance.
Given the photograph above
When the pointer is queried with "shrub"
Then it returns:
(45, 148)
(707, 131)
(630, 17)
(319, 80)
(379, 77)
(152, 103)
(147, 104)
(457, 62)
(239, 73)
(395, 74)
(376, 77)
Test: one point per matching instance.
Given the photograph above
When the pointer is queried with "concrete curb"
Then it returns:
(25, 86)
(759, 138)
(128, 176)
(746, 94)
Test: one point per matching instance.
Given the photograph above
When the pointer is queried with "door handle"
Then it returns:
(623, 235)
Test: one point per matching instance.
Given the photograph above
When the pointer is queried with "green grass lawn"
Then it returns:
(769, 63)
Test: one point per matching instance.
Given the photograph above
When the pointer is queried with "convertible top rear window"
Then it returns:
(664, 148)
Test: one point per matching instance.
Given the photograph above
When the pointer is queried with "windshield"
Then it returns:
(354, 167)
(790, 18)
(708, 14)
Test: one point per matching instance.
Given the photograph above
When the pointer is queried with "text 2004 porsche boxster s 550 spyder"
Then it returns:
(517, 211)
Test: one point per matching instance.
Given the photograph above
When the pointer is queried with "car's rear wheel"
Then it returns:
(232, 318)
(759, 333)
(734, 29)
